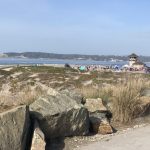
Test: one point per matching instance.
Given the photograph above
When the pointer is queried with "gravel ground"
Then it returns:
(132, 139)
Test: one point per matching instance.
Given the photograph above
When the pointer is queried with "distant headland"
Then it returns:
(37, 55)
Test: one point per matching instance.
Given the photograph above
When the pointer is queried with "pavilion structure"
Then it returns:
(134, 62)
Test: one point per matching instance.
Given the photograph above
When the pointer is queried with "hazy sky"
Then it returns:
(75, 26)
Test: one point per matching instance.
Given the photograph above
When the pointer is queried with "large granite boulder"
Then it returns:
(14, 128)
(99, 116)
(59, 115)
(74, 94)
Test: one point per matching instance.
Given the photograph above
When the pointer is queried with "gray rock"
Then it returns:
(60, 116)
(14, 127)
(99, 116)
(100, 122)
(146, 92)
(144, 108)
(94, 105)
(74, 95)
(38, 140)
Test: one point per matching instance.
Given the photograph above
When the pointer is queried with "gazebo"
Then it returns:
(135, 63)
(133, 58)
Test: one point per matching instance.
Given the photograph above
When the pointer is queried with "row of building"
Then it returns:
(134, 64)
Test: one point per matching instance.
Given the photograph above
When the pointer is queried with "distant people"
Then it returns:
(67, 66)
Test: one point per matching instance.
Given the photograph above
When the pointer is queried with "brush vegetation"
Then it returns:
(121, 92)
(123, 98)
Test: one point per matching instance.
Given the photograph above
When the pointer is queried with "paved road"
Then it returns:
(136, 139)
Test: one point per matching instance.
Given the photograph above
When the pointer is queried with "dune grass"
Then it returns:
(121, 90)
(123, 96)
(25, 96)
(126, 99)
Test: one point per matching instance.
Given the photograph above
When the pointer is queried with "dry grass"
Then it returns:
(123, 93)
(126, 99)
(95, 92)
(26, 96)
(29, 95)
(124, 96)
(90, 92)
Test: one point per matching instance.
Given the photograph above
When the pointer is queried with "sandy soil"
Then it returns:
(8, 69)
(135, 139)
(16, 74)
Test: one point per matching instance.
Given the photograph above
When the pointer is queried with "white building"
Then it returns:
(134, 62)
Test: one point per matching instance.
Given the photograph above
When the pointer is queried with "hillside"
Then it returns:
(72, 56)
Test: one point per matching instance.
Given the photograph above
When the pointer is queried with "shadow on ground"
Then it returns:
(55, 144)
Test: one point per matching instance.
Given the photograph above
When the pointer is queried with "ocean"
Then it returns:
(26, 61)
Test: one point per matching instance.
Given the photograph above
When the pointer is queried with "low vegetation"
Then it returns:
(126, 99)
(123, 98)
(121, 92)
(25, 96)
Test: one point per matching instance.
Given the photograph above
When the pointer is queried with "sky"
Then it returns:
(102, 27)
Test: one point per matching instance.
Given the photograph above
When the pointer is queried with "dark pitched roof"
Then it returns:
(138, 63)
(133, 55)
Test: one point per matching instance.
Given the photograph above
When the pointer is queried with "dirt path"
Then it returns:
(136, 139)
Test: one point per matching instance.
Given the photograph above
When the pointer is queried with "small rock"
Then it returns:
(99, 116)
(38, 142)
(100, 125)
(95, 104)
(146, 92)
(105, 129)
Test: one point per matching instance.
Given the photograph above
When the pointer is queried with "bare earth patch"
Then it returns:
(16, 74)
(8, 69)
